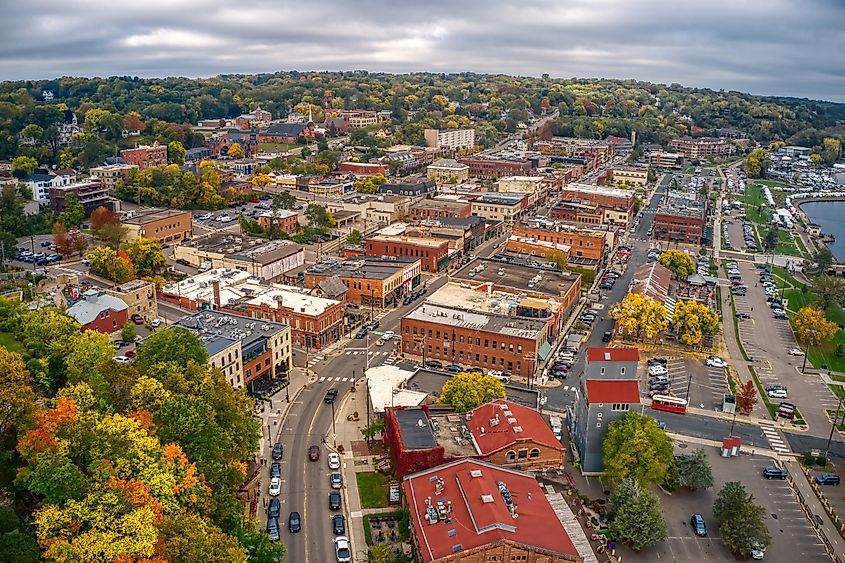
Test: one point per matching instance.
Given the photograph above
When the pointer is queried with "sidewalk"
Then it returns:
(815, 511)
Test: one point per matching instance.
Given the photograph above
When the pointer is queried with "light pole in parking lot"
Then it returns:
(833, 427)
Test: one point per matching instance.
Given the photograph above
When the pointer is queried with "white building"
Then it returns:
(40, 185)
(452, 139)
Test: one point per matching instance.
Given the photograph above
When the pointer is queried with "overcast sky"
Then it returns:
(773, 47)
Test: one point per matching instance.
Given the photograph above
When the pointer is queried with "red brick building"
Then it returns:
(146, 156)
(99, 311)
(363, 168)
(495, 168)
(436, 209)
(286, 220)
(583, 244)
(680, 219)
(702, 147)
(432, 253)
(470, 511)
(370, 281)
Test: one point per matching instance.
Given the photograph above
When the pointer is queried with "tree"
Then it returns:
(635, 447)
(622, 494)
(146, 255)
(261, 181)
(680, 263)
(380, 553)
(730, 497)
(319, 217)
(284, 200)
(62, 241)
(823, 258)
(559, 259)
(354, 238)
(74, 211)
(746, 397)
(79, 242)
(756, 163)
(637, 520)
(88, 352)
(132, 122)
(694, 470)
(640, 315)
(468, 390)
(831, 150)
(173, 344)
(128, 332)
(17, 397)
(692, 320)
(370, 184)
(25, 164)
(235, 151)
(375, 427)
(828, 290)
(811, 327)
(175, 153)
(112, 264)
(744, 528)
(770, 242)
(18, 547)
(106, 226)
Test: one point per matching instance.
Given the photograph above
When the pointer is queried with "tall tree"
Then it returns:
(823, 258)
(638, 521)
(25, 164)
(770, 242)
(74, 211)
(640, 315)
(468, 390)
(693, 320)
(354, 237)
(174, 344)
(744, 528)
(694, 470)
(284, 200)
(730, 497)
(61, 240)
(175, 153)
(746, 397)
(319, 217)
(678, 262)
(146, 255)
(636, 448)
(17, 398)
(828, 290)
(811, 327)
(235, 151)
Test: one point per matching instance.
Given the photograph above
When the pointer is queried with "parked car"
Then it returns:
(361, 333)
(334, 460)
(434, 364)
(338, 524)
(658, 386)
(294, 522)
(699, 527)
(275, 486)
(314, 453)
(757, 551)
(657, 362)
(123, 359)
(137, 319)
(827, 479)
(336, 480)
(275, 469)
(716, 362)
(453, 368)
(372, 325)
(772, 472)
(657, 370)
(273, 528)
(743, 315)
(796, 352)
(273, 510)
(777, 393)
(607, 336)
(342, 552)
(277, 451)
(334, 500)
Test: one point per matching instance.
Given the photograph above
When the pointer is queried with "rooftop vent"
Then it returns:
(517, 428)
(486, 499)
(475, 473)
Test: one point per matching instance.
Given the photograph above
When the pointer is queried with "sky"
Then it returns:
(768, 47)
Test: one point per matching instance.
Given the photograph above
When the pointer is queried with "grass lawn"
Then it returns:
(8, 342)
(372, 489)
(276, 147)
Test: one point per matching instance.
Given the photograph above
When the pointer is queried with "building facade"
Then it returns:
(448, 170)
(433, 254)
(436, 208)
(494, 168)
(139, 296)
(164, 225)
(146, 156)
(99, 311)
(370, 281)
(109, 174)
(451, 139)
(702, 148)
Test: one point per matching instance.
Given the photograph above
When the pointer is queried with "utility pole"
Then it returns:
(832, 428)
(334, 432)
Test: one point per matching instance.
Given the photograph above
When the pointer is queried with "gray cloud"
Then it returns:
(775, 47)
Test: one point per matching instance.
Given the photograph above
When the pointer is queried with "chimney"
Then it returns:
(215, 286)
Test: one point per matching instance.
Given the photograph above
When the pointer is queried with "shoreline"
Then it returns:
(820, 238)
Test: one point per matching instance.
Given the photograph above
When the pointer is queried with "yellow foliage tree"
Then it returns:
(679, 262)
(693, 320)
(640, 315)
(235, 151)
(468, 390)
(812, 328)
(261, 180)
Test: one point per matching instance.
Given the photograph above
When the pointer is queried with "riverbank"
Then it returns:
(827, 214)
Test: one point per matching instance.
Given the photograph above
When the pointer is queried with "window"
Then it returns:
(486, 343)
(535, 452)
(622, 372)
(438, 335)
(511, 455)
(519, 348)
(619, 407)
(523, 454)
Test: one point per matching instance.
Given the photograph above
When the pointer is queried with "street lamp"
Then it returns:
(833, 427)
(372, 303)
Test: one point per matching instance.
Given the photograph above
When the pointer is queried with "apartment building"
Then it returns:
(584, 244)
(145, 156)
(90, 193)
(631, 175)
(681, 218)
(110, 174)
(433, 254)
(660, 159)
(139, 296)
(504, 207)
(164, 225)
(451, 139)
(702, 148)
(491, 168)
(594, 152)
(286, 221)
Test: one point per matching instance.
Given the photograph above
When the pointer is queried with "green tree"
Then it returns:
(25, 163)
(175, 153)
(680, 263)
(146, 255)
(635, 447)
(319, 217)
(375, 427)
(9, 520)
(260, 548)
(622, 494)
(468, 390)
(559, 259)
(16, 394)
(638, 521)
(189, 537)
(173, 344)
(823, 258)
(354, 237)
(770, 242)
(128, 332)
(74, 211)
(380, 553)
(284, 200)
(112, 264)
(828, 290)
(730, 497)
(744, 527)
(89, 351)
(18, 547)
(695, 471)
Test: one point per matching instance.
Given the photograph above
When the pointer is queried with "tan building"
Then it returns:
(522, 184)
(702, 147)
(507, 208)
(452, 139)
(165, 225)
(630, 175)
(266, 260)
(448, 170)
(139, 296)
(111, 173)
(666, 160)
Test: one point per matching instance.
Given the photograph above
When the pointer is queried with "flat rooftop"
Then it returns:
(361, 268)
(600, 190)
(250, 248)
(450, 431)
(453, 316)
(212, 325)
(431, 381)
(518, 273)
(501, 198)
(143, 216)
(416, 432)
(479, 299)
(416, 241)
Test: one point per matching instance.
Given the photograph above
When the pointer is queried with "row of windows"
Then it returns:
(489, 361)
(436, 335)
(522, 454)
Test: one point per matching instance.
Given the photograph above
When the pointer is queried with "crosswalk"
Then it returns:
(335, 379)
(775, 441)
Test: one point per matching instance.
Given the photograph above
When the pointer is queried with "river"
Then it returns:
(830, 216)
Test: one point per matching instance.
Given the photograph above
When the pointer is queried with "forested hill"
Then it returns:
(492, 103)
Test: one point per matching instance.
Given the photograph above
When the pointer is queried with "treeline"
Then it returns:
(121, 462)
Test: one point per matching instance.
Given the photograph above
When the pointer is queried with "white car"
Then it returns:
(657, 370)
(155, 323)
(205, 216)
(275, 486)
(757, 551)
(334, 461)
(225, 218)
(715, 362)
(123, 359)
(342, 550)
(777, 393)
(380, 341)
(796, 352)
(388, 334)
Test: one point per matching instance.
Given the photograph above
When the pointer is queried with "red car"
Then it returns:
(254, 200)
(137, 319)
(314, 453)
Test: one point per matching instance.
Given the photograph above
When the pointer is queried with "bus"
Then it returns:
(670, 404)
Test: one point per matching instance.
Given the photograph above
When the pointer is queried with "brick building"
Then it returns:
(139, 296)
(164, 225)
(99, 311)
(370, 281)
(90, 193)
(286, 220)
(437, 208)
(362, 168)
(583, 243)
(594, 152)
(146, 156)
(680, 219)
(266, 260)
(702, 148)
(433, 254)
(470, 511)
(494, 168)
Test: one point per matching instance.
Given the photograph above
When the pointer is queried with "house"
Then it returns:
(471, 511)
(448, 170)
(285, 220)
(99, 311)
(40, 184)
(611, 363)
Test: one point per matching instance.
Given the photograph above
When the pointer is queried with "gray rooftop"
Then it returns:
(212, 325)
(453, 316)
(92, 304)
(518, 273)
(415, 430)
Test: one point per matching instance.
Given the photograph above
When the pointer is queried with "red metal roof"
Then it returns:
(612, 391)
(613, 355)
(515, 423)
(479, 513)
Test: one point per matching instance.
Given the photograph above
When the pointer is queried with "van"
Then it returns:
(204, 267)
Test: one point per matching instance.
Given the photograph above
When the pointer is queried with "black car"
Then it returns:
(453, 368)
(433, 364)
(273, 528)
(605, 285)
(331, 395)
(361, 333)
(607, 336)
(334, 500)
(274, 508)
(277, 451)
(294, 523)
(372, 325)
(408, 300)
(698, 525)
(774, 473)
(658, 386)
(557, 374)
(338, 524)
(657, 362)
(275, 470)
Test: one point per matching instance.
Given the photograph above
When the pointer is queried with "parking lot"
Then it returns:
(707, 385)
(793, 537)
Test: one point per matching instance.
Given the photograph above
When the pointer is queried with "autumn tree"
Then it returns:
(812, 327)
(62, 241)
(261, 181)
(112, 264)
(176, 152)
(146, 255)
(17, 398)
(746, 397)
(693, 320)
(370, 184)
(831, 150)
(635, 447)
(640, 315)
(354, 237)
(79, 243)
(756, 163)
(106, 226)
(468, 390)
(25, 164)
(559, 259)
(235, 151)
(678, 262)
(132, 122)
(319, 217)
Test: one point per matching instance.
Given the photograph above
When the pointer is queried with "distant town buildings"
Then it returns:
(451, 139)
(448, 170)
(145, 156)
(701, 148)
